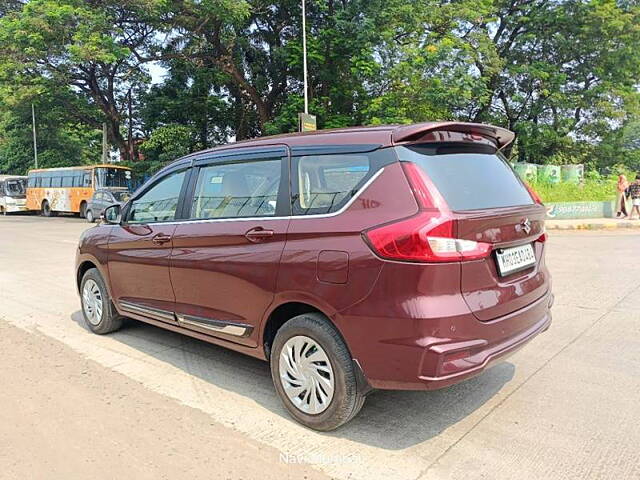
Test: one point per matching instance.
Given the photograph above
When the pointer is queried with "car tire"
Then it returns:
(346, 400)
(89, 216)
(98, 310)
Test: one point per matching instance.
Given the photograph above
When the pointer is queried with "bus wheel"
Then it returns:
(83, 210)
(46, 209)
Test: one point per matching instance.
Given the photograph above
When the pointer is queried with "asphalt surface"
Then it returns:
(565, 406)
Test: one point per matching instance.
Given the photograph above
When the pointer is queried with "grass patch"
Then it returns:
(594, 188)
(589, 191)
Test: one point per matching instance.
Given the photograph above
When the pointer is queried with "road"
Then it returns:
(565, 406)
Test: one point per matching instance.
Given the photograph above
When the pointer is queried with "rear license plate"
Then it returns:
(511, 260)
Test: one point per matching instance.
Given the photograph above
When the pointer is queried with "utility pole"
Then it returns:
(35, 139)
(304, 56)
(306, 122)
(130, 146)
(104, 143)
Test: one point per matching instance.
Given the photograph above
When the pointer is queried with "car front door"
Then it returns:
(225, 257)
(97, 204)
(140, 248)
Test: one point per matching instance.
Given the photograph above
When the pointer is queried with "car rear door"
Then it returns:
(226, 256)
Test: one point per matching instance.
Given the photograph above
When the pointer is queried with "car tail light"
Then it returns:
(533, 193)
(429, 236)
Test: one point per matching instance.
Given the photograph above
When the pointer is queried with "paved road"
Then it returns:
(565, 406)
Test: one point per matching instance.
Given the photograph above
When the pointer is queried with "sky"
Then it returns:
(157, 72)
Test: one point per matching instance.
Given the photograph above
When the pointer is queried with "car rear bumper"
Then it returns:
(452, 363)
(444, 352)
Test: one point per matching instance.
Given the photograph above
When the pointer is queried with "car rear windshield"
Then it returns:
(469, 178)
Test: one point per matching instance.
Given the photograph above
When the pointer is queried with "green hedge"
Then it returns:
(595, 188)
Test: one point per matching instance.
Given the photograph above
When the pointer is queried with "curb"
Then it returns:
(594, 226)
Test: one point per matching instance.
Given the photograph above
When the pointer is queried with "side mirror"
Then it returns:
(112, 215)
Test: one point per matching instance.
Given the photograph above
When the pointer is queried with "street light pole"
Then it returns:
(304, 56)
(35, 140)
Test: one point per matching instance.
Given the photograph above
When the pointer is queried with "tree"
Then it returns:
(192, 97)
(62, 140)
(562, 74)
(97, 48)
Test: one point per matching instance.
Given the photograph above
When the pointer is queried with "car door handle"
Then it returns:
(258, 234)
(160, 239)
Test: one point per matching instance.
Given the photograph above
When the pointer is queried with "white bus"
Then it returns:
(13, 194)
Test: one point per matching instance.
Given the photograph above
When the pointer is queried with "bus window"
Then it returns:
(77, 178)
(67, 180)
(56, 179)
(87, 179)
(45, 181)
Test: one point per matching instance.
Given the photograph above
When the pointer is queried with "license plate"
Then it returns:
(511, 260)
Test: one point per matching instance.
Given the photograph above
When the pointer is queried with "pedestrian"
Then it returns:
(621, 201)
(634, 193)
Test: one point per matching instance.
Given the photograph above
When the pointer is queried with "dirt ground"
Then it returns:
(65, 417)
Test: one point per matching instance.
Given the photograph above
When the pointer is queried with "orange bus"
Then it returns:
(68, 189)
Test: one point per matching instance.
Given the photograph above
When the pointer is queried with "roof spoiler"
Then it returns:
(453, 131)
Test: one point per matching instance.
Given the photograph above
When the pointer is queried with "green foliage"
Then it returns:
(590, 190)
(595, 187)
(62, 141)
(168, 143)
(561, 74)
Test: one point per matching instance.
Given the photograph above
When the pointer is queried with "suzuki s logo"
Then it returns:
(525, 226)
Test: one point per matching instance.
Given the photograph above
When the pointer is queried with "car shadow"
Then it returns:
(391, 420)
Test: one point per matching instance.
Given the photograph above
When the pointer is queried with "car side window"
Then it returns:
(160, 202)
(325, 183)
(236, 190)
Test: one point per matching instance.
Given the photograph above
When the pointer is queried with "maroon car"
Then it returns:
(394, 257)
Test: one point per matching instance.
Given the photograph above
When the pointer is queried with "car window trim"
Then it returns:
(241, 153)
(337, 149)
(345, 207)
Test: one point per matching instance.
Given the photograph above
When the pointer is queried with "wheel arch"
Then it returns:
(287, 309)
(85, 266)
(87, 262)
(280, 315)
